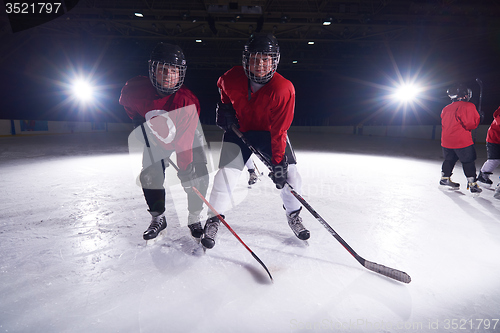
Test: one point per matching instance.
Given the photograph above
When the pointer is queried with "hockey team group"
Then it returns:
(259, 103)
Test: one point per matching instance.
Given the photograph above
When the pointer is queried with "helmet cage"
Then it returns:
(253, 60)
(156, 73)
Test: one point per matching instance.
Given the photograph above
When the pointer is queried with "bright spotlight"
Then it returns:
(82, 90)
(407, 92)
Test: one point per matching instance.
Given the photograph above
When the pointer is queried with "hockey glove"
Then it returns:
(279, 173)
(138, 121)
(225, 116)
(188, 178)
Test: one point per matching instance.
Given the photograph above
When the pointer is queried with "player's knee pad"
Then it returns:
(152, 177)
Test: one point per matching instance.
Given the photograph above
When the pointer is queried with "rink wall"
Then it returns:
(429, 132)
(38, 127)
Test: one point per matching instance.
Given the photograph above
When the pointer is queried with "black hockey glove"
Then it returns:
(279, 173)
(225, 116)
(188, 178)
(138, 121)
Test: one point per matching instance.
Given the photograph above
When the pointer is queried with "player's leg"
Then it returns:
(450, 159)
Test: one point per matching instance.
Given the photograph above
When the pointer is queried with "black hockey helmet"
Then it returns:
(459, 92)
(258, 45)
(166, 55)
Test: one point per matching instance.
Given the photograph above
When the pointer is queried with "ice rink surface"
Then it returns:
(73, 259)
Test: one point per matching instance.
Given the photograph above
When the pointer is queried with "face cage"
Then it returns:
(260, 79)
(153, 65)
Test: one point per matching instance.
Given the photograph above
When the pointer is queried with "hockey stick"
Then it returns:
(151, 158)
(223, 221)
(377, 268)
(481, 115)
(478, 80)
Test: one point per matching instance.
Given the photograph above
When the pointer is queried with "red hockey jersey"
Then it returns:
(458, 119)
(175, 132)
(493, 135)
(270, 109)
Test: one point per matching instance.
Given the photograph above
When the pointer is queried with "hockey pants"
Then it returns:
(234, 155)
(467, 157)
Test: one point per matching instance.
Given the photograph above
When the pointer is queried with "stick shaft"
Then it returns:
(381, 269)
(223, 221)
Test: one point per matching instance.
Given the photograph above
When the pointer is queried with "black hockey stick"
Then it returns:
(151, 158)
(481, 115)
(478, 80)
(377, 268)
(223, 221)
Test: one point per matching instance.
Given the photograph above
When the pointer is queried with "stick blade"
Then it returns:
(263, 265)
(387, 271)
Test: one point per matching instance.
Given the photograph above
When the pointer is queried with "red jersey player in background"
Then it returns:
(493, 153)
(166, 115)
(261, 102)
(458, 119)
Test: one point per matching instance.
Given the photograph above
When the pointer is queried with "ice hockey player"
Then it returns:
(261, 102)
(458, 119)
(166, 115)
(493, 153)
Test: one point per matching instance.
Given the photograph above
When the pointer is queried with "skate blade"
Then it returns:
(158, 238)
(448, 188)
(198, 241)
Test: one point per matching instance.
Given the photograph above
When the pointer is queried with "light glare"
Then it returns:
(406, 92)
(82, 90)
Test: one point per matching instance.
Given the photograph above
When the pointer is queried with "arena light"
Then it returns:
(406, 92)
(82, 90)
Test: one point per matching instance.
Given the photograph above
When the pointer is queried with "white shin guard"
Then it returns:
(225, 181)
(289, 201)
(490, 165)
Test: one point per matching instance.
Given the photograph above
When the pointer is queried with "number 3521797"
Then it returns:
(33, 8)
(462, 324)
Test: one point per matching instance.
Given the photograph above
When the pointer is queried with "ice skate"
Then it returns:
(252, 178)
(194, 226)
(210, 232)
(158, 223)
(473, 187)
(295, 223)
(484, 177)
(446, 182)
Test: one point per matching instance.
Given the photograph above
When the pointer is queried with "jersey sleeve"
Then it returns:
(223, 96)
(187, 110)
(468, 116)
(187, 121)
(137, 97)
(281, 117)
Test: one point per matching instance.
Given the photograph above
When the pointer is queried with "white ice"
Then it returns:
(73, 259)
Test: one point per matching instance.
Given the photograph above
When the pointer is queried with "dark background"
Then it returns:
(343, 79)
